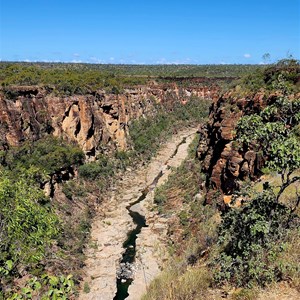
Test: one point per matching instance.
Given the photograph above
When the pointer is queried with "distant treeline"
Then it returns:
(65, 79)
(233, 70)
(69, 79)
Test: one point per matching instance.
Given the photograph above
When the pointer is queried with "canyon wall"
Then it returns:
(223, 160)
(97, 121)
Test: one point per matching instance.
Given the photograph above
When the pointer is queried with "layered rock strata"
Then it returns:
(97, 121)
(223, 160)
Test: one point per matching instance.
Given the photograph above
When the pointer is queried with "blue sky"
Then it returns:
(149, 32)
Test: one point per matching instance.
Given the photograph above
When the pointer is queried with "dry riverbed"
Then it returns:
(113, 222)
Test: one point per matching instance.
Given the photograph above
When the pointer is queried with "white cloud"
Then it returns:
(111, 58)
(247, 55)
(76, 55)
(75, 61)
(95, 60)
(163, 61)
(27, 60)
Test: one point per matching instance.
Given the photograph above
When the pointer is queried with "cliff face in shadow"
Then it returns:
(95, 121)
(223, 161)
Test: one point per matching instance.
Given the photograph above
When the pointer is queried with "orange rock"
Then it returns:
(89, 120)
(224, 164)
(227, 199)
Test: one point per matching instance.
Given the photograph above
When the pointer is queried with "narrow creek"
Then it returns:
(126, 271)
(128, 235)
(125, 274)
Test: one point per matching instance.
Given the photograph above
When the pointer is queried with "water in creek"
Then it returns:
(125, 274)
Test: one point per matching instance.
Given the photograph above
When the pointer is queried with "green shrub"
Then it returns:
(180, 283)
(103, 167)
(73, 188)
(44, 288)
(90, 170)
(86, 288)
(48, 154)
(252, 238)
(244, 294)
(124, 159)
(28, 225)
(147, 134)
(160, 197)
(283, 76)
(68, 190)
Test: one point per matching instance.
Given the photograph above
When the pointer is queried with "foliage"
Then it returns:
(180, 283)
(90, 170)
(105, 167)
(48, 154)
(73, 188)
(181, 187)
(44, 288)
(252, 238)
(28, 225)
(94, 74)
(86, 288)
(179, 196)
(245, 294)
(284, 74)
(64, 79)
(69, 79)
(272, 132)
(145, 133)
(124, 158)
(148, 133)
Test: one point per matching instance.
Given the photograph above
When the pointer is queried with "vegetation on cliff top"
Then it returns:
(66, 81)
(69, 79)
(284, 75)
(181, 70)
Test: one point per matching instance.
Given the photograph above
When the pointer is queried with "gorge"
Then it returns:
(133, 190)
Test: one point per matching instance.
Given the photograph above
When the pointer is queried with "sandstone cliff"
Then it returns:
(97, 122)
(223, 161)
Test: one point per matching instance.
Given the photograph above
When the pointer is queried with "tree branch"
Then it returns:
(286, 184)
(297, 203)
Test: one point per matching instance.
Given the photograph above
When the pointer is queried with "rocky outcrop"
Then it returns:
(223, 160)
(97, 121)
